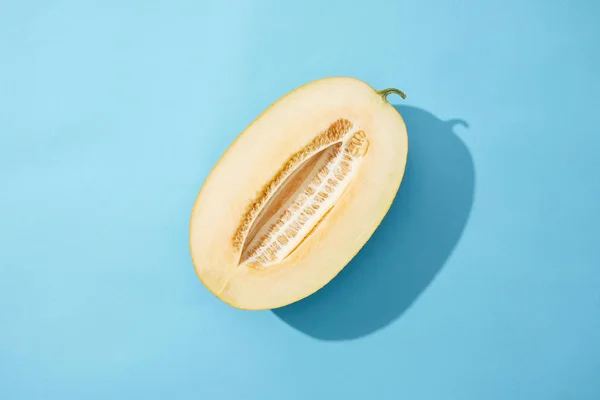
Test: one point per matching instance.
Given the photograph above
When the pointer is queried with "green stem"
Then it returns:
(385, 92)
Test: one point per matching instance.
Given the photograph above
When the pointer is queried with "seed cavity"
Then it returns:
(300, 195)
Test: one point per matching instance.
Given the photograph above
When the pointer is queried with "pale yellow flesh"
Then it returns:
(257, 156)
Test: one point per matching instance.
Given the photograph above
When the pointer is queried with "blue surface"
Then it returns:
(483, 282)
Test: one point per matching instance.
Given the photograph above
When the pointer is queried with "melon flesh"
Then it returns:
(298, 194)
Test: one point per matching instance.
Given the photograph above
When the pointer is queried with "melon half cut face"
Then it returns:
(298, 194)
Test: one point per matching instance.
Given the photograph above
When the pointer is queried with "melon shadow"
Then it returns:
(411, 245)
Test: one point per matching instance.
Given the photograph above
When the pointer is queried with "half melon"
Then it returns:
(298, 193)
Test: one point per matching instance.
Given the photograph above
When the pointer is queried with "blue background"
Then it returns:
(483, 282)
